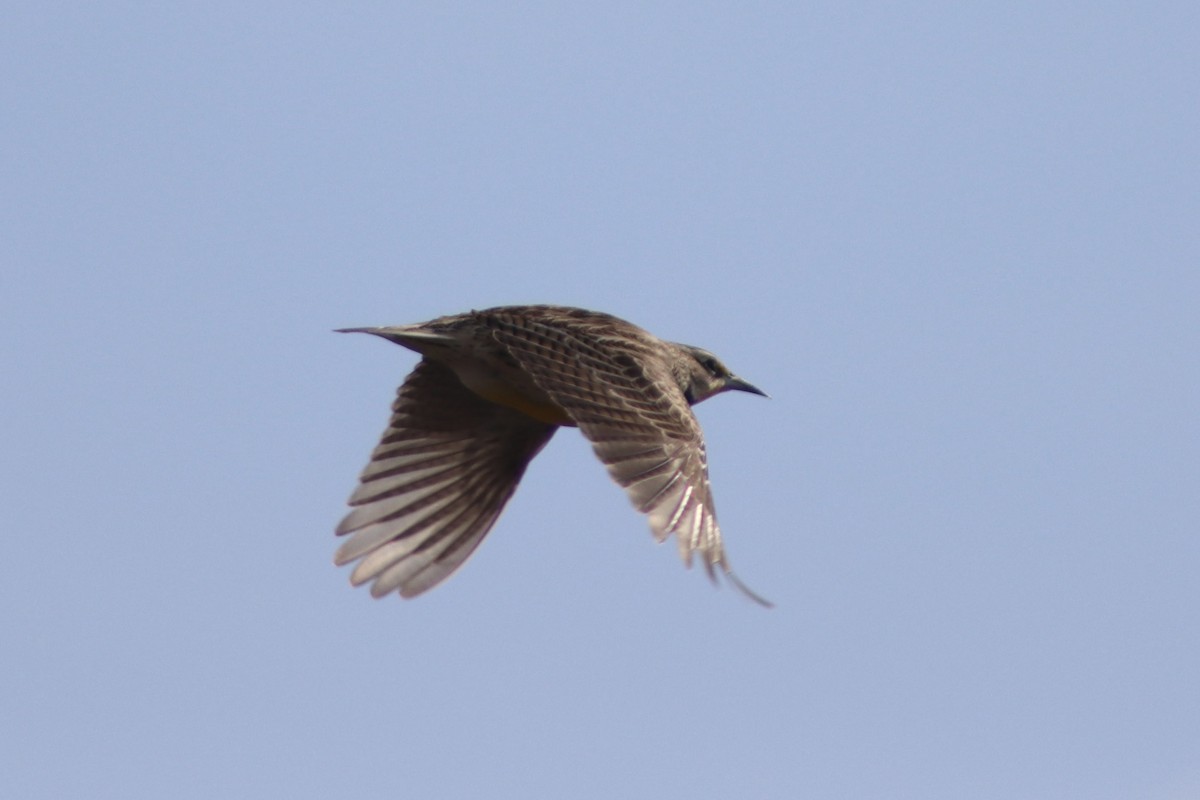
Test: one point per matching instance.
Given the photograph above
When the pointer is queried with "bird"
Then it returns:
(491, 388)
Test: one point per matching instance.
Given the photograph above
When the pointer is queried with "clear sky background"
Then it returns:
(959, 244)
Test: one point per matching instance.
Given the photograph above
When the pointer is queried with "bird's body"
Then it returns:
(490, 390)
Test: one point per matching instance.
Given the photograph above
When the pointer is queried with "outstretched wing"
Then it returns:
(617, 387)
(447, 464)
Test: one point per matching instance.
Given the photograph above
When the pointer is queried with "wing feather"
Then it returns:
(447, 464)
(618, 388)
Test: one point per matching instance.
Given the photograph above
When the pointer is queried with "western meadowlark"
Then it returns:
(491, 388)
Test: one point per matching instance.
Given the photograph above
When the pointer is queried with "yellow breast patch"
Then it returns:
(505, 395)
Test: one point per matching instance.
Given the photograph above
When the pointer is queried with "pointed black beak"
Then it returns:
(734, 382)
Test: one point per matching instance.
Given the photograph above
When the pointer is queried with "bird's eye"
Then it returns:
(711, 365)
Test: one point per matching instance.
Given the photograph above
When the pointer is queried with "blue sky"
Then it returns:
(958, 244)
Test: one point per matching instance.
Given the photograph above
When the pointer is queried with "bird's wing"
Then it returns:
(620, 393)
(447, 464)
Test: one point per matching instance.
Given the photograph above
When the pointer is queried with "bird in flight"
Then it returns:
(491, 388)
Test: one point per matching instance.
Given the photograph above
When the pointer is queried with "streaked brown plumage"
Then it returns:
(489, 392)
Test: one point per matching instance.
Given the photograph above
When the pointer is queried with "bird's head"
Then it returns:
(703, 375)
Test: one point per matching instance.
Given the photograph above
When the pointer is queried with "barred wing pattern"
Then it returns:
(617, 387)
(447, 464)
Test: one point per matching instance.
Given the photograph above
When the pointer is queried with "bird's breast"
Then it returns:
(513, 391)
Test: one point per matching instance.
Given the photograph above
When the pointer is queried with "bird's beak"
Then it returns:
(734, 382)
